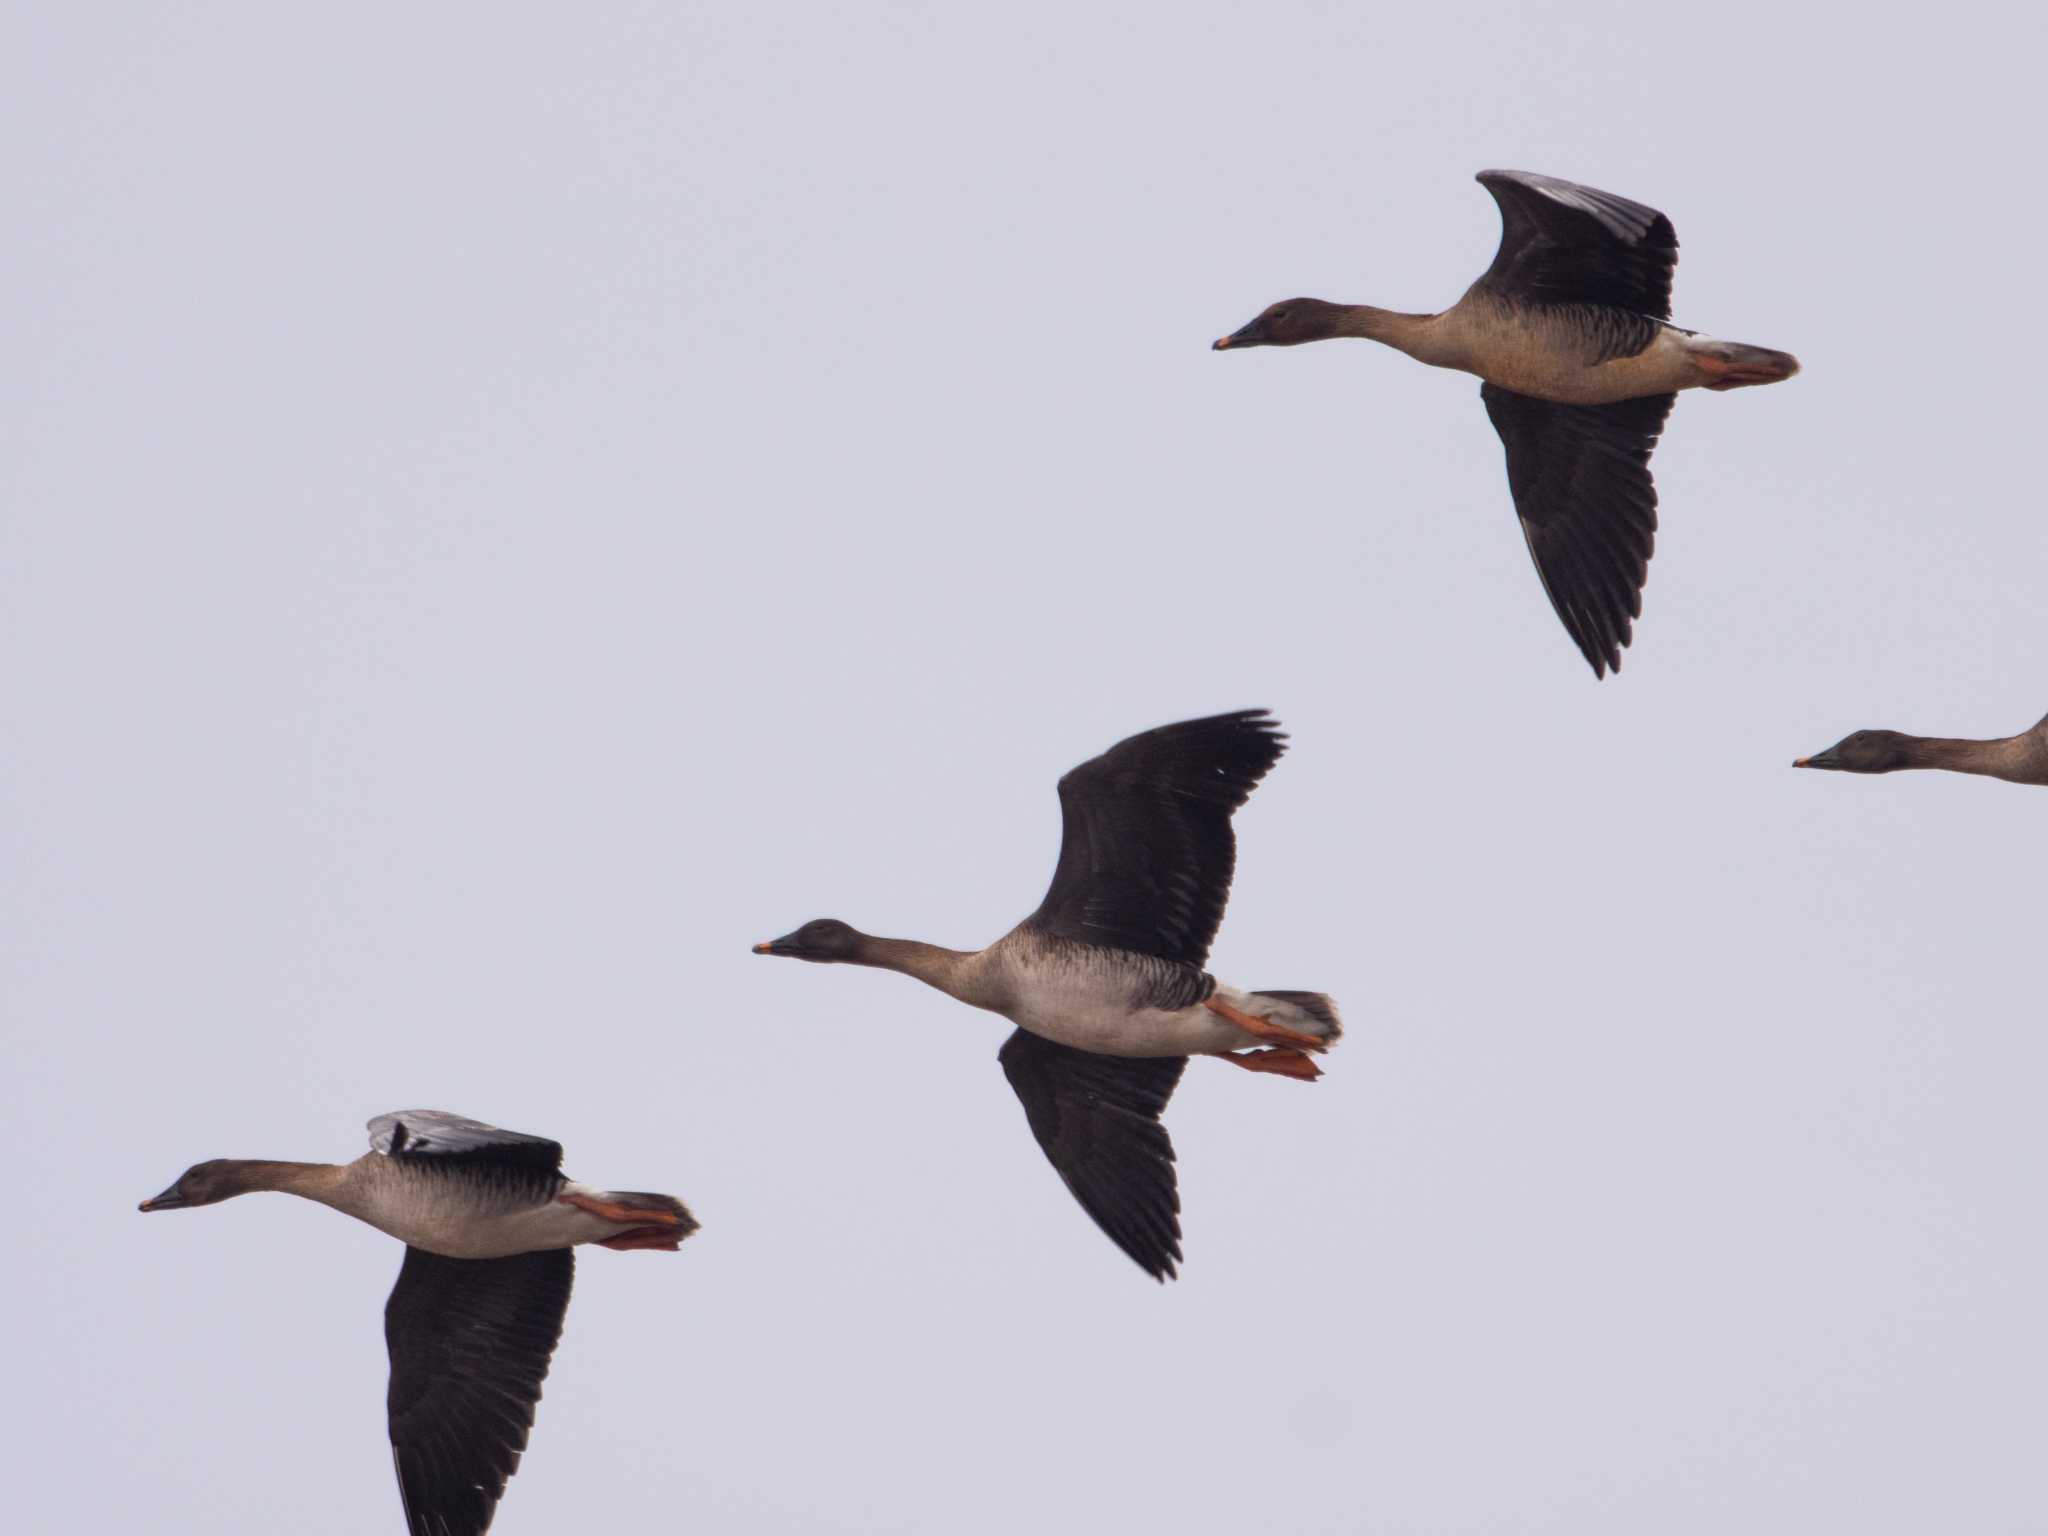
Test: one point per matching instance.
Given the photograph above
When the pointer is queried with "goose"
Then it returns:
(1105, 981)
(2021, 759)
(1570, 330)
(489, 1226)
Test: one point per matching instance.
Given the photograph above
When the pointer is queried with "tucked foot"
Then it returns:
(662, 1239)
(1738, 379)
(1284, 1063)
(1265, 1029)
(608, 1210)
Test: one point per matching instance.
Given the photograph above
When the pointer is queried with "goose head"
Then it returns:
(1286, 324)
(825, 940)
(201, 1184)
(1860, 752)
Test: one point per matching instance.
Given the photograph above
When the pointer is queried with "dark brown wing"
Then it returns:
(1580, 476)
(470, 1341)
(1146, 851)
(1561, 243)
(1097, 1118)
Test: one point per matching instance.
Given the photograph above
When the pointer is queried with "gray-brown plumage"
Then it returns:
(1570, 330)
(2021, 759)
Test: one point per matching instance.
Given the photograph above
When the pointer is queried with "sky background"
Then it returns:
(503, 507)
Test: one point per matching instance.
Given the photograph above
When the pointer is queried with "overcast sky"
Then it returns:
(506, 506)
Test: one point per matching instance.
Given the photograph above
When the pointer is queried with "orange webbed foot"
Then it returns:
(1265, 1029)
(1282, 1063)
(611, 1210)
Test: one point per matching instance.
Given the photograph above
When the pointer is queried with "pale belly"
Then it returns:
(455, 1230)
(1088, 1021)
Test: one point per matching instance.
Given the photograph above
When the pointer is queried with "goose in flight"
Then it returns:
(1570, 329)
(1105, 981)
(489, 1224)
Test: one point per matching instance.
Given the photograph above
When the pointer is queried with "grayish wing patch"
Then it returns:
(437, 1133)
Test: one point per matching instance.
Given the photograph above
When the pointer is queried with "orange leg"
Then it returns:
(662, 1239)
(1282, 1062)
(1265, 1029)
(1722, 373)
(638, 1216)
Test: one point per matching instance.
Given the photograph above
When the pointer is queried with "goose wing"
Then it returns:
(455, 1139)
(1561, 243)
(470, 1341)
(1580, 476)
(1097, 1119)
(1146, 850)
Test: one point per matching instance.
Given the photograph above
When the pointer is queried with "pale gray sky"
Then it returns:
(505, 506)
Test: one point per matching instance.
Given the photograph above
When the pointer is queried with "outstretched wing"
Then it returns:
(1146, 850)
(470, 1341)
(1580, 476)
(453, 1139)
(1097, 1119)
(1561, 243)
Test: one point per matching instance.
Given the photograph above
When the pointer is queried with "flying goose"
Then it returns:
(2021, 759)
(488, 1222)
(1105, 981)
(1570, 330)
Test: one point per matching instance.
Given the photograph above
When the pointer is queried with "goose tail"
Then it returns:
(663, 1221)
(1736, 364)
(1312, 1013)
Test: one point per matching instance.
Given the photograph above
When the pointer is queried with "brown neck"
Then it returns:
(952, 971)
(311, 1181)
(1414, 334)
(2008, 757)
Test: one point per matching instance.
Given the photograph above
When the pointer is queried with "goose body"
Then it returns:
(1570, 328)
(463, 1217)
(1115, 1002)
(1567, 355)
(490, 1225)
(1106, 981)
(2020, 759)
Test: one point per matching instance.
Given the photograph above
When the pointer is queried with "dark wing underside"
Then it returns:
(1561, 243)
(1097, 1117)
(1146, 850)
(1580, 476)
(470, 1341)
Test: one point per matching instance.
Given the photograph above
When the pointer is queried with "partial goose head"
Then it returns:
(489, 1224)
(2021, 759)
(1569, 327)
(825, 940)
(1105, 981)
